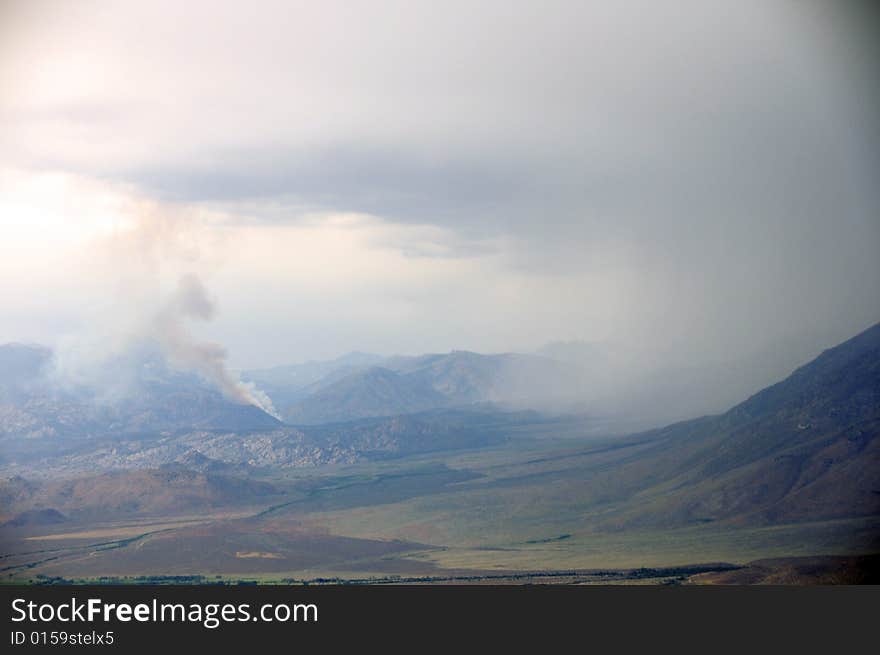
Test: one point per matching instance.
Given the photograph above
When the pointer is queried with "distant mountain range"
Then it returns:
(160, 417)
(574, 377)
(803, 450)
(362, 386)
(140, 394)
(805, 445)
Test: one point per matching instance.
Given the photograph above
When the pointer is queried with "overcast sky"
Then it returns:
(691, 179)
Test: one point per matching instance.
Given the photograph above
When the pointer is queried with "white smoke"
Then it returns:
(154, 247)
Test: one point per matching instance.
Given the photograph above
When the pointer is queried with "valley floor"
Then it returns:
(530, 511)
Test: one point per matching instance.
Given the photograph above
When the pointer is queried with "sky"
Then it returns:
(692, 181)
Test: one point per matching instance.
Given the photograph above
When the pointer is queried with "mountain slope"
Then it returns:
(807, 448)
(144, 396)
(289, 384)
(165, 491)
(375, 391)
(403, 385)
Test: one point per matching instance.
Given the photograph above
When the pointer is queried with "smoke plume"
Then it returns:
(146, 267)
(191, 301)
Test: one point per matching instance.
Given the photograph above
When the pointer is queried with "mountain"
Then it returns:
(141, 414)
(404, 385)
(133, 397)
(221, 455)
(375, 391)
(806, 448)
(288, 384)
(184, 403)
(461, 377)
(573, 377)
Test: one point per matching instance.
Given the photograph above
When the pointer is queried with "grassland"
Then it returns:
(537, 506)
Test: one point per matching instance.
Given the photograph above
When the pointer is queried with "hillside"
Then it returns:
(161, 492)
(288, 384)
(140, 397)
(806, 448)
(404, 385)
(797, 461)
(375, 391)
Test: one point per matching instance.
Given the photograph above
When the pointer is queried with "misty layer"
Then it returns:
(143, 351)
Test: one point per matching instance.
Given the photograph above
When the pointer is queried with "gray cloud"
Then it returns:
(398, 185)
(715, 161)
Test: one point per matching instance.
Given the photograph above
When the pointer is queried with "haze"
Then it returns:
(691, 185)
